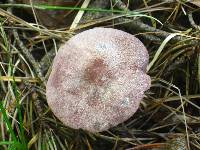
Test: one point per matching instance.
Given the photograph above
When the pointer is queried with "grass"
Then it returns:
(168, 117)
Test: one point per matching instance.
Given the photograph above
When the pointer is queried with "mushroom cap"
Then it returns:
(98, 79)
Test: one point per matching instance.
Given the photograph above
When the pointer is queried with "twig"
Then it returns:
(160, 34)
(190, 17)
(29, 56)
(119, 4)
(149, 146)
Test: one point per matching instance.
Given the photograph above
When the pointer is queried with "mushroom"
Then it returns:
(98, 79)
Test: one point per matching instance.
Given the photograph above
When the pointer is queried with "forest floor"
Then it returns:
(169, 115)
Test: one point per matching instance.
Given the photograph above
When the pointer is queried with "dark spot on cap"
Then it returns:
(74, 91)
(97, 72)
(56, 78)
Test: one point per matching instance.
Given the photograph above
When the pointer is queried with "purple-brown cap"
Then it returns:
(98, 79)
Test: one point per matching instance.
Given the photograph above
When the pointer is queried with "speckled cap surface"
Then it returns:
(98, 79)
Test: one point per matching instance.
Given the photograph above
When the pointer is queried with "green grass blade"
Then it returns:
(6, 142)
(3, 111)
(50, 7)
(17, 95)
